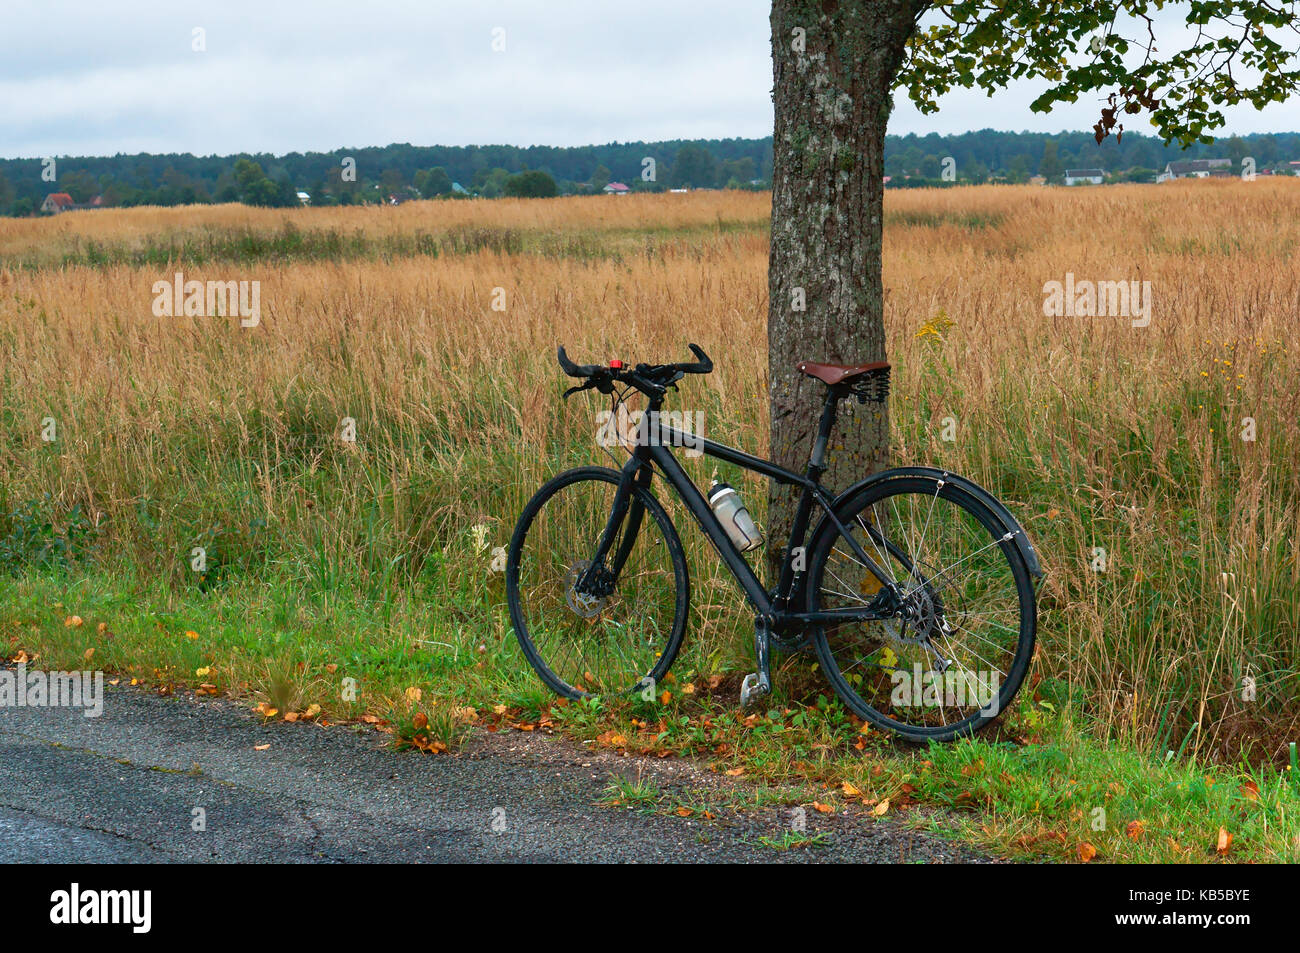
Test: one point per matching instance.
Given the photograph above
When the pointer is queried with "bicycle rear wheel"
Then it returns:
(954, 653)
(607, 630)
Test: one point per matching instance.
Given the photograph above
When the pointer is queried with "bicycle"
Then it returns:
(915, 588)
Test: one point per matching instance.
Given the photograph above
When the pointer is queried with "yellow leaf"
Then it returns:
(881, 809)
(290, 716)
(261, 747)
(312, 711)
(413, 695)
(90, 653)
(688, 688)
(1086, 852)
(191, 634)
(665, 698)
(735, 772)
(888, 659)
(849, 790)
(1224, 841)
(101, 628)
(202, 671)
(499, 709)
(72, 621)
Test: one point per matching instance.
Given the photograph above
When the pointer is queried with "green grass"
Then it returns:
(1032, 789)
(291, 244)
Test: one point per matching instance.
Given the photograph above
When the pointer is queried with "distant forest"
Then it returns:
(402, 171)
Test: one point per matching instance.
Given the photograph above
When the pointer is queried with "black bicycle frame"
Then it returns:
(653, 449)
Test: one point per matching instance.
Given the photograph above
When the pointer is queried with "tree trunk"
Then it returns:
(833, 65)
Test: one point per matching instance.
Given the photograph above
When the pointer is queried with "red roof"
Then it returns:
(617, 187)
(60, 198)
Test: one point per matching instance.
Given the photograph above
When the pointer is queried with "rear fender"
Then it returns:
(1009, 523)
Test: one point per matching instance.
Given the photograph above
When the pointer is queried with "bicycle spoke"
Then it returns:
(933, 669)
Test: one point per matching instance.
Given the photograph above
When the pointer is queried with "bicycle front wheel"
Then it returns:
(950, 655)
(613, 628)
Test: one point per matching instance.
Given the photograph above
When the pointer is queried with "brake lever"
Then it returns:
(586, 385)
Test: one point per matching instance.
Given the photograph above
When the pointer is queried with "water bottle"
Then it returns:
(730, 510)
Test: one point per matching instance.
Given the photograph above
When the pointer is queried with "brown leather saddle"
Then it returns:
(832, 374)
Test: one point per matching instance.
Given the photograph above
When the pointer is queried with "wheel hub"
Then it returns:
(588, 602)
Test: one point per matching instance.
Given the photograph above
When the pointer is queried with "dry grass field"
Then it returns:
(181, 432)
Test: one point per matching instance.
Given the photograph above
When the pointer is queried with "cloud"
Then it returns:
(299, 76)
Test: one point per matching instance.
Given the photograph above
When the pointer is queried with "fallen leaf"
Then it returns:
(684, 812)
(261, 747)
(290, 716)
(101, 628)
(413, 694)
(849, 790)
(1086, 852)
(331, 668)
(72, 621)
(665, 698)
(90, 653)
(200, 672)
(312, 711)
(420, 721)
(735, 772)
(1224, 841)
(821, 808)
(1134, 829)
(191, 634)
(881, 809)
(688, 688)
(1249, 789)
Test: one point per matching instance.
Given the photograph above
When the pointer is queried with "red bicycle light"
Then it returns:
(616, 364)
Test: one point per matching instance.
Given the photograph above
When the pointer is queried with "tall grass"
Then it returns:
(176, 433)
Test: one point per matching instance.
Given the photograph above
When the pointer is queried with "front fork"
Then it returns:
(626, 505)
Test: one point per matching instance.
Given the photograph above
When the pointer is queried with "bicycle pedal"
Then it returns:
(753, 687)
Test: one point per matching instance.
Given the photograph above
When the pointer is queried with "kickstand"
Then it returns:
(757, 684)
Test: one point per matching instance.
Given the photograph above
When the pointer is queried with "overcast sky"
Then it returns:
(95, 78)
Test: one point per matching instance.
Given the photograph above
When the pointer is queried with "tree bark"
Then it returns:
(833, 62)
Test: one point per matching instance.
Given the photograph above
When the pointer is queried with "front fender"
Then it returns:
(1009, 523)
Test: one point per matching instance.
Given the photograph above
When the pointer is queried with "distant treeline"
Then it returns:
(377, 174)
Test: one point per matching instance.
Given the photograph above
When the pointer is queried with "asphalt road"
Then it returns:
(132, 785)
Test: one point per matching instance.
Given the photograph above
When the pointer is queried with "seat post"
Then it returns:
(817, 463)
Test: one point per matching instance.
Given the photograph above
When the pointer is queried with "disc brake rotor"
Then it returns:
(583, 605)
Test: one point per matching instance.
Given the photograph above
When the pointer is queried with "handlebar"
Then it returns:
(651, 379)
